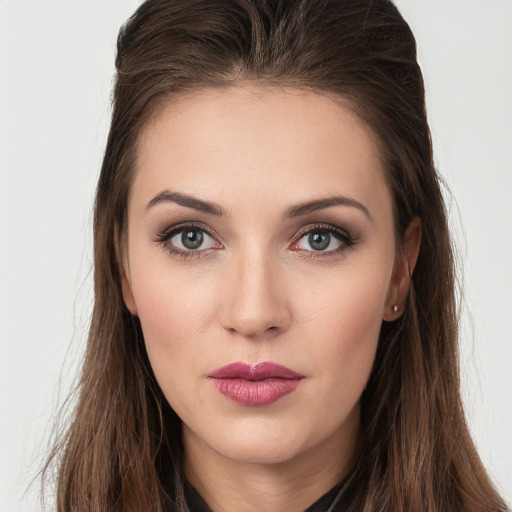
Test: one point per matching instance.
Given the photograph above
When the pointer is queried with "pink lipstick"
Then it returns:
(257, 384)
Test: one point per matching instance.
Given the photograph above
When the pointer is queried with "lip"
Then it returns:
(257, 384)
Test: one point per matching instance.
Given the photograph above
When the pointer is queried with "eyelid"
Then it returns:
(347, 240)
(163, 238)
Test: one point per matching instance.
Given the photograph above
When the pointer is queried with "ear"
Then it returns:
(124, 274)
(405, 261)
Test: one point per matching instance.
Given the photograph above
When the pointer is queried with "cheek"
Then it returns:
(175, 314)
(345, 323)
(175, 309)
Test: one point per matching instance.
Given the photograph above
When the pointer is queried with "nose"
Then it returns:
(255, 301)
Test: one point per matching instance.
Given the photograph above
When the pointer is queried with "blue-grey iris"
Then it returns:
(319, 241)
(192, 239)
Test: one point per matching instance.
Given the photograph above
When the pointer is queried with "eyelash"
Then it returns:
(347, 240)
(165, 236)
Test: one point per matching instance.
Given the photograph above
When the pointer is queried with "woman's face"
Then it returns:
(261, 231)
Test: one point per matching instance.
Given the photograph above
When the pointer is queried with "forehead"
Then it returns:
(291, 143)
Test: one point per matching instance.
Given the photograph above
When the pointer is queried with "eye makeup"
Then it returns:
(195, 240)
(194, 234)
(320, 237)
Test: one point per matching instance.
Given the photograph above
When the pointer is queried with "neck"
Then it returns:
(228, 485)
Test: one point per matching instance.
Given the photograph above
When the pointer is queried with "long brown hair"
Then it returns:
(122, 450)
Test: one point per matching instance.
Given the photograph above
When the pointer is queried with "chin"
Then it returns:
(257, 443)
(258, 451)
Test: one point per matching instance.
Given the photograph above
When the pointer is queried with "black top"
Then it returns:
(196, 503)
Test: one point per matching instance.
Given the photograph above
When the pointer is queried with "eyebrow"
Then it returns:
(292, 212)
(320, 204)
(189, 202)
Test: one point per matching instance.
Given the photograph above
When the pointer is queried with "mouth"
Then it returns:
(258, 384)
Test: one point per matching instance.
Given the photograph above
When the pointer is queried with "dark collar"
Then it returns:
(197, 504)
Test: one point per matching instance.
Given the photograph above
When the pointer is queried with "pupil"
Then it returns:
(319, 241)
(192, 239)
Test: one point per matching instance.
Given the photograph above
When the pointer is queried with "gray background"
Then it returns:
(56, 67)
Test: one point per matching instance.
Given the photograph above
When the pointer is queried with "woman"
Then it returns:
(274, 324)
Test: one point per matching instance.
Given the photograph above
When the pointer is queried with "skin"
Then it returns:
(257, 291)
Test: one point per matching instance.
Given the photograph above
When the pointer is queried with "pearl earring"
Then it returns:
(395, 309)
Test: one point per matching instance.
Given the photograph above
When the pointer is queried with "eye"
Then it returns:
(324, 239)
(187, 240)
(191, 239)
